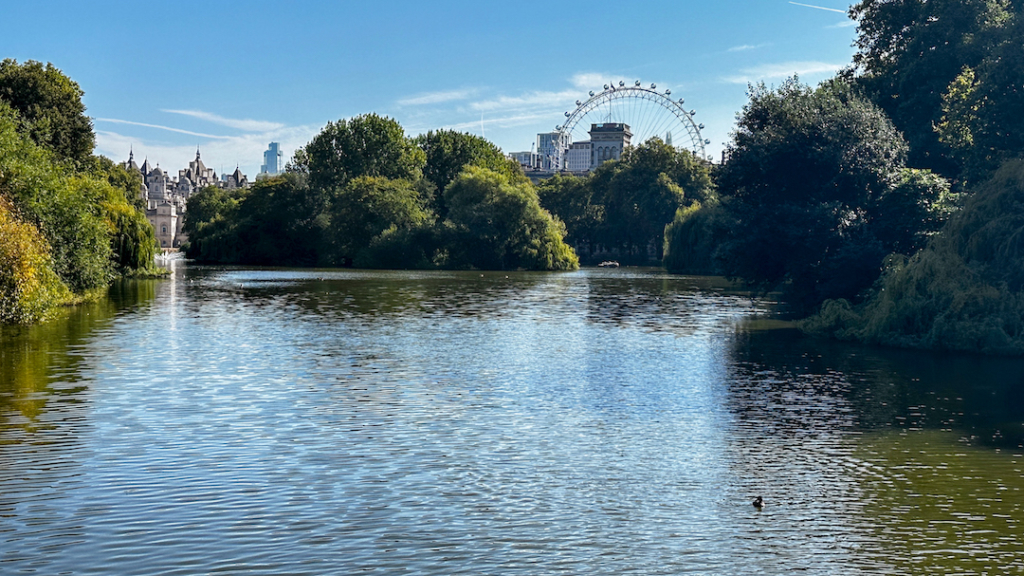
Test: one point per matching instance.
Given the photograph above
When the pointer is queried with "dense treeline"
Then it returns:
(363, 194)
(886, 202)
(814, 195)
(623, 206)
(70, 222)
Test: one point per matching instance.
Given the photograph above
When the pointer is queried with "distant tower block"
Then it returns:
(608, 140)
(271, 159)
(668, 137)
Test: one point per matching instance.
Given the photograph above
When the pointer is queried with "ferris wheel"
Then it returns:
(648, 112)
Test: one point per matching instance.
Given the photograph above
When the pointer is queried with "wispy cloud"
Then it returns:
(590, 80)
(501, 122)
(438, 97)
(745, 47)
(782, 70)
(159, 127)
(219, 152)
(844, 24)
(564, 99)
(528, 100)
(818, 7)
(246, 125)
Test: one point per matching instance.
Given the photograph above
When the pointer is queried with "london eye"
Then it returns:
(648, 111)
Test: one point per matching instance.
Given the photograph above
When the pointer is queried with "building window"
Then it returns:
(164, 230)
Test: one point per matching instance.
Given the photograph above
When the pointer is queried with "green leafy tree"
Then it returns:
(570, 199)
(909, 51)
(366, 208)
(810, 177)
(447, 152)
(207, 223)
(280, 221)
(497, 224)
(128, 181)
(367, 145)
(981, 118)
(642, 191)
(50, 108)
(276, 222)
(693, 238)
(67, 209)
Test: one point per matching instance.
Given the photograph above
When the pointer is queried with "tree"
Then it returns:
(641, 192)
(128, 181)
(499, 224)
(366, 208)
(280, 221)
(809, 176)
(50, 108)
(693, 238)
(447, 152)
(66, 208)
(367, 145)
(981, 119)
(29, 288)
(909, 51)
(570, 199)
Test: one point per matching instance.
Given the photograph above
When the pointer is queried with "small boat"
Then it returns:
(608, 264)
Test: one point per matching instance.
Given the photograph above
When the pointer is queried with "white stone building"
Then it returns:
(167, 198)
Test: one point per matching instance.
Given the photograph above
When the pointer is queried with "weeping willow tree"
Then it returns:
(963, 291)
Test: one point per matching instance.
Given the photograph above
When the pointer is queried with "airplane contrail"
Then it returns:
(819, 7)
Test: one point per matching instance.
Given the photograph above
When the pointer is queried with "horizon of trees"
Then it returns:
(363, 194)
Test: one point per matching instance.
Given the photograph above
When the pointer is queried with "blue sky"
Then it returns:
(232, 76)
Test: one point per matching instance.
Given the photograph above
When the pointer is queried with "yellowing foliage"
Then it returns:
(29, 287)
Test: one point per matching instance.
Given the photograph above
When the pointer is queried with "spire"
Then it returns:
(131, 153)
(197, 152)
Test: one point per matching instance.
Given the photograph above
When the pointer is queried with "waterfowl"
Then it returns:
(758, 503)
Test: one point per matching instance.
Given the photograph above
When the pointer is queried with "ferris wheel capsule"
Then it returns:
(578, 102)
(692, 112)
(567, 114)
(707, 141)
(654, 86)
(701, 126)
(591, 92)
(637, 84)
(605, 86)
(667, 92)
(681, 101)
(621, 83)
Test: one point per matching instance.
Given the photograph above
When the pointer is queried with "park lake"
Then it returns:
(278, 421)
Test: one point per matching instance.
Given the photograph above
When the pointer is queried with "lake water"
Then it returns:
(239, 421)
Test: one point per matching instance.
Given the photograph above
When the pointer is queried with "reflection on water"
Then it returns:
(598, 422)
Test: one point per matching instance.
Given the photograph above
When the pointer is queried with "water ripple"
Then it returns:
(601, 422)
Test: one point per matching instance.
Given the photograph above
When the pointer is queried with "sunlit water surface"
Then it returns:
(233, 421)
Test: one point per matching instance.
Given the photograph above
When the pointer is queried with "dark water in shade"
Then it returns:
(232, 421)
